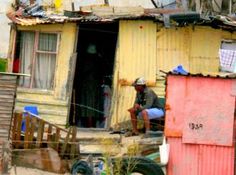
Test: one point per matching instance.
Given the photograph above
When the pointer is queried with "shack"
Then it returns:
(83, 75)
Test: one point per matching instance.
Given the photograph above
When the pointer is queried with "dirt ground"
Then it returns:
(30, 171)
(125, 142)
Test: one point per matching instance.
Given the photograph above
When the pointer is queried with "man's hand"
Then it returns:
(137, 106)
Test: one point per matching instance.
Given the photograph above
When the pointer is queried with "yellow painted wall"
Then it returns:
(196, 48)
(136, 57)
(53, 105)
(204, 48)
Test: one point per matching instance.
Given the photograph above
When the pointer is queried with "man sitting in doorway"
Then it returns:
(146, 106)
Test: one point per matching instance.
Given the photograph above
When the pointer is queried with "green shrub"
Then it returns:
(3, 65)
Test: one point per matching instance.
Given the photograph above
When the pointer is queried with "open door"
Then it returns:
(91, 97)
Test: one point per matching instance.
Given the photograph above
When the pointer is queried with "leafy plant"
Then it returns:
(3, 65)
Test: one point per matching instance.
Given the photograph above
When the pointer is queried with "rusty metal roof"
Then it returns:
(211, 75)
(36, 15)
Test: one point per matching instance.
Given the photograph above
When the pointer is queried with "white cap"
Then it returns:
(139, 81)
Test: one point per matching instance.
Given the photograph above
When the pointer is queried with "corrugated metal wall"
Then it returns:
(136, 57)
(7, 99)
(205, 44)
(137, 50)
(195, 101)
(173, 48)
(199, 159)
(194, 47)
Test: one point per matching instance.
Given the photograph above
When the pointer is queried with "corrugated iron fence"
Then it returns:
(8, 84)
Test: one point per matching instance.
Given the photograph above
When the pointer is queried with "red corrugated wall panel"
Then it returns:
(195, 159)
(205, 150)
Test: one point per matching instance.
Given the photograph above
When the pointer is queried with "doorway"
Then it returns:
(91, 96)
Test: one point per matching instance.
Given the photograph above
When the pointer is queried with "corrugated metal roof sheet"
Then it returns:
(86, 14)
(211, 75)
(101, 13)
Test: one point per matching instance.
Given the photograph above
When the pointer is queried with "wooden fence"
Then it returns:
(38, 133)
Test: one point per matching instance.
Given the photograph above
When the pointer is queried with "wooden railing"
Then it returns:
(38, 133)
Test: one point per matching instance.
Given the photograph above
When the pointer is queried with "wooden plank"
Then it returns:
(73, 144)
(14, 127)
(4, 120)
(6, 96)
(66, 142)
(31, 134)
(49, 135)
(8, 82)
(6, 127)
(71, 77)
(18, 134)
(40, 133)
(7, 89)
(7, 77)
(4, 92)
(34, 57)
(6, 112)
(5, 158)
(6, 103)
(6, 100)
(6, 107)
(5, 84)
(53, 125)
(8, 86)
(27, 130)
(57, 137)
(5, 116)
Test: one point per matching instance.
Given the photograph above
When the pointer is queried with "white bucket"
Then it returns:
(164, 151)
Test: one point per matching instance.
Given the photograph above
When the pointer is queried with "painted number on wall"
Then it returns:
(195, 126)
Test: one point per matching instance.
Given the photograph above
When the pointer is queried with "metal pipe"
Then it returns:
(154, 3)
(230, 6)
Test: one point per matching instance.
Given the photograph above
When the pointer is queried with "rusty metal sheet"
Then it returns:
(209, 111)
(175, 105)
(201, 109)
(195, 159)
(233, 88)
(188, 97)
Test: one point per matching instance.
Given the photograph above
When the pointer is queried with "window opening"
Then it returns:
(36, 54)
(227, 55)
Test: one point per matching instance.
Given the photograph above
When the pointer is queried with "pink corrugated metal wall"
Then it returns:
(199, 125)
(196, 159)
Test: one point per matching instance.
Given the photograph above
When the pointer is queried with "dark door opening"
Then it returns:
(91, 97)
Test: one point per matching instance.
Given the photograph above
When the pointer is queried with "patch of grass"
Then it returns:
(116, 167)
(3, 65)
